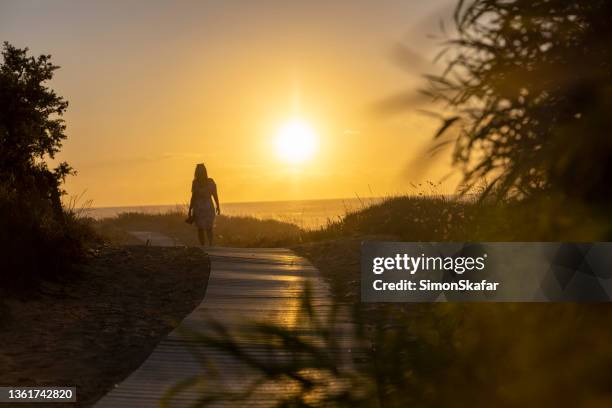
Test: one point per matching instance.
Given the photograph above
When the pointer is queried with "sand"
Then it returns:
(92, 329)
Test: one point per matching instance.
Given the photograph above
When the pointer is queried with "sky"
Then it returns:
(157, 86)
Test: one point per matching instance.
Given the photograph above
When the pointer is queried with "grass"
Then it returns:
(404, 218)
(439, 218)
(502, 354)
(508, 354)
(36, 242)
(335, 248)
(237, 231)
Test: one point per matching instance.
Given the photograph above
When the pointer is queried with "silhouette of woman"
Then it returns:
(201, 209)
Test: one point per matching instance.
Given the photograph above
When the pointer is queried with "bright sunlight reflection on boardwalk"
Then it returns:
(245, 284)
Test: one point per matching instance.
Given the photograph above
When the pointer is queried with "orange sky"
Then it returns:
(155, 87)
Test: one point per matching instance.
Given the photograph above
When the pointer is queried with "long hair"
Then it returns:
(201, 175)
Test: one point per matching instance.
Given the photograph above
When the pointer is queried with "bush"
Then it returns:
(38, 238)
(34, 243)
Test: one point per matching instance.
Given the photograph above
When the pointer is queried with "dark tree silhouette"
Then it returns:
(31, 127)
(38, 238)
(530, 85)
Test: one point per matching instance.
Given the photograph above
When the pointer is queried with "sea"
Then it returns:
(308, 214)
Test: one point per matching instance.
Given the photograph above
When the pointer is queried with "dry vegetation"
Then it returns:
(435, 354)
(229, 231)
(445, 354)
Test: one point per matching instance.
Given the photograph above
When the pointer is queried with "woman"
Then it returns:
(201, 209)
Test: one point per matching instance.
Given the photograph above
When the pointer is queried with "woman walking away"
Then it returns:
(201, 209)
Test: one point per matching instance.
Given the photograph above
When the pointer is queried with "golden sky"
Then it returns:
(157, 86)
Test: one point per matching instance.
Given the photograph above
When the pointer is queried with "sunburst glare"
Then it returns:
(296, 141)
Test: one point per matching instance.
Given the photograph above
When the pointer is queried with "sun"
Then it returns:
(296, 141)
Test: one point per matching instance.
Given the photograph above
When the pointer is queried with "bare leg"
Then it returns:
(201, 236)
(209, 232)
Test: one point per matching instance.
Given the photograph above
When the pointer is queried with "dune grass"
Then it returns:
(236, 231)
(335, 249)
(404, 218)
(37, 242)
(440, 218)
(506, 354)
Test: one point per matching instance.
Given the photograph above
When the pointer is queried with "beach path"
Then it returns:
(244, 284)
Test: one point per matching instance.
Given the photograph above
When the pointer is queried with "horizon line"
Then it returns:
(243, 202)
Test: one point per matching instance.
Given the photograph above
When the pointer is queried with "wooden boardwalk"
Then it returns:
(244, 284)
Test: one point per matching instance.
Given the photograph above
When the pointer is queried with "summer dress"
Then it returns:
(203, 209)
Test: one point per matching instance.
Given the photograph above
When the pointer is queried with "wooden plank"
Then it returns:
(244, 284)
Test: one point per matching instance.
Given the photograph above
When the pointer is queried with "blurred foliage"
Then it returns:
(307, 360)
(530, 87)
(394, 356)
